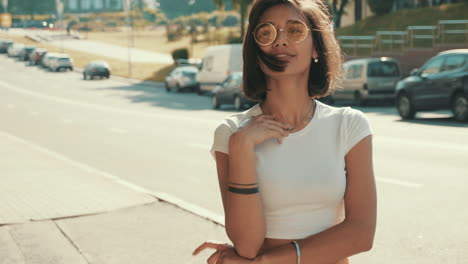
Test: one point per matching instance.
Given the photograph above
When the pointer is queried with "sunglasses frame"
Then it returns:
(278, 30)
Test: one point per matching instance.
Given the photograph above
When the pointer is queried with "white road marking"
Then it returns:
(190, 207)
(118, 131)
(104, 108)
(421, 143)
(398, 182)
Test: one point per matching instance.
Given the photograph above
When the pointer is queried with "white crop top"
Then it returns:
(302, 181)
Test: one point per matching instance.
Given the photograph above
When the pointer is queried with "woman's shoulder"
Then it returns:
(234, 121)
(342, 113)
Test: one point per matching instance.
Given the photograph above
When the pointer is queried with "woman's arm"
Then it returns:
(244, 219)
(356, 233)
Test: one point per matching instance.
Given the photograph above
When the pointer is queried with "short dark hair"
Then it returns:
(322, 79)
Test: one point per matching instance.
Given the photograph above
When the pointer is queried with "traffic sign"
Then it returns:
(6, 20)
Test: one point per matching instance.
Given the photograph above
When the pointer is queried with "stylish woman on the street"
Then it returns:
(296, 175)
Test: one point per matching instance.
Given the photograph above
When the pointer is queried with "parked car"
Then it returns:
(25, 52)
(13, 50)
(368, 79)
(96, 68)
(36, 56)
(182, 78)
(441, 83)
(230, 92)
(49, 56)
(62, 62)
(5, 44)
(217, 64)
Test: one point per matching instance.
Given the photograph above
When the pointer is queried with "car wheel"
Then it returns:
(166, 85)
(196, 89)
(85, 77)
(460, 107)
(178, 89)
(215, 102)
(358, 100)
(405, 107)
(237, 102)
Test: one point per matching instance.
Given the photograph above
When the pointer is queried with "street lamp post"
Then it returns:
(59, 6)
(127, 4)
(5, 6)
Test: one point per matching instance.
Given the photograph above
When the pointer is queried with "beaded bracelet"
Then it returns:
(298, 251)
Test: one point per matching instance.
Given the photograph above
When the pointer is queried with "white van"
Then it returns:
(367, 79)
(218, 63)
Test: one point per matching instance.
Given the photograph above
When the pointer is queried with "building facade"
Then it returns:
(355, 10)
(84, 6)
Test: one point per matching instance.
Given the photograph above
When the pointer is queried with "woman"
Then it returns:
(295, 174)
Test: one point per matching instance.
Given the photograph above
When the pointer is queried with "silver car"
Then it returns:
(367, 79)
(183, 77)
(62, 62)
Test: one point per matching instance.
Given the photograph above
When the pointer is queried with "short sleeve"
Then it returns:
(221, 139)
(357, 127)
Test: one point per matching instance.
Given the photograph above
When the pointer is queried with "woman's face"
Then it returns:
(299, 54)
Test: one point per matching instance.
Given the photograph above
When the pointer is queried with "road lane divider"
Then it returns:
(399, 182)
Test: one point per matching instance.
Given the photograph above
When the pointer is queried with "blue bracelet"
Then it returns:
(298, 251)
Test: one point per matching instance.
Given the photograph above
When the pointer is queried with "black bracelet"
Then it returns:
(243, 190)
(242, 184)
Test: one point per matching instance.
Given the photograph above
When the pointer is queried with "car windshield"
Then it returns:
(383, 69)
(64, 59)
(189, 73)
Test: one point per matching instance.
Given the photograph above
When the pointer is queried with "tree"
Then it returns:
(28, 7)
(337, 9)
(241, 6)
(380, 7)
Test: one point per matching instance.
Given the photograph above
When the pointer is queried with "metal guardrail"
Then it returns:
(396, 37)
(357, 42)
(412, 36)
(443, 31)
(404, 38)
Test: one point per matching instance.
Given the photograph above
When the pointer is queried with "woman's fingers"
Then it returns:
(213, 245)
(276, 131)
(213, 259)
(278, 124)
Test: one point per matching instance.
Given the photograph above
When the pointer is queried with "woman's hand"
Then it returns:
(263, 127)
(225, 254)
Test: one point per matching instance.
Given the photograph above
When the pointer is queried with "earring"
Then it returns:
(316, 60)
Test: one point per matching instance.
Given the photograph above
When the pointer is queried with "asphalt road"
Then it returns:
(160, 141)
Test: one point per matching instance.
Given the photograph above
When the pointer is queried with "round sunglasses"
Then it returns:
(266, 33)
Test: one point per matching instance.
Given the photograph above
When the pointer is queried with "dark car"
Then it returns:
(5, 44)
(25, 52)
(36, 56)
(183, 77)
(230, 92)
(96, 68)
(441, 83)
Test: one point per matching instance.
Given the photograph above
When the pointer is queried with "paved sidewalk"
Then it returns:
(53, 210)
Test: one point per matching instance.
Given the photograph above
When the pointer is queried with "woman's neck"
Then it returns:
(288, 97)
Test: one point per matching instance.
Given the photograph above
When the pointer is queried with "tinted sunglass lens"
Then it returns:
(265, 34)
(296, 31)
